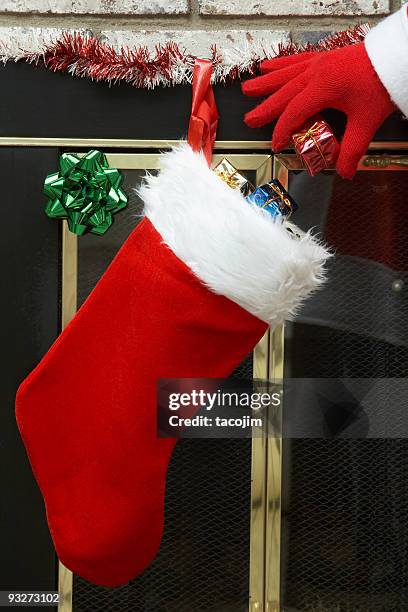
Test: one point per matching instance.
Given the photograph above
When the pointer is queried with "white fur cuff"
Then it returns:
(387, 48)
(236, 249)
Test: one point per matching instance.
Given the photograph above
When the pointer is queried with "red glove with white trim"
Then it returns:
(303, 85)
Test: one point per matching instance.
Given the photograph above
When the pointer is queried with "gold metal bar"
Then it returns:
(258, 493)
(274, 459)
(263, 165)
(64, 588)
(69, 259)
(69, 264)
(375, 162)
(290, 161)
(274, 483)
(241, 161)
(123, 143)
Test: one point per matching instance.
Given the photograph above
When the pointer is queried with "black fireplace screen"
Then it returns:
(203, 563)
(345, 501)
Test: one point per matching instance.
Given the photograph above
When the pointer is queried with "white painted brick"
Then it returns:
(294, 7)
(101, 7)
(16, 40)
(199, 42)
(36, 6)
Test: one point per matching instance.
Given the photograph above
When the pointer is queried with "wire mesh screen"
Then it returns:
(345, 501)
(203, 562)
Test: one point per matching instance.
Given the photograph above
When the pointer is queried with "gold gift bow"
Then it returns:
(231, 180)
(282, 196)
(310, 133)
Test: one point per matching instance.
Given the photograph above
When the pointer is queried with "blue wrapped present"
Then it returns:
(273, 198)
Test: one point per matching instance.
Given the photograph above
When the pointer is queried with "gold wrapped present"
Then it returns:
(230, 175)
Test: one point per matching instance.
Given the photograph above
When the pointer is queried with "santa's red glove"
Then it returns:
(303, 85)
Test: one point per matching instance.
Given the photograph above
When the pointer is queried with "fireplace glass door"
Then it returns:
(212, 553)
(344, 521)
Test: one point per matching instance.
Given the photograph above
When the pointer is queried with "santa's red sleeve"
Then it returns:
(387, 48)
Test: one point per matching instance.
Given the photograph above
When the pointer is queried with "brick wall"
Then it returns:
(196, 24)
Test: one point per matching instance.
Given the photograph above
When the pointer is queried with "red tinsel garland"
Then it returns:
(85, 56)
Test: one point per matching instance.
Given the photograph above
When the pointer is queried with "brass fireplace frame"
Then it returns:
(262, 165)
(265, 544)
(283, 164)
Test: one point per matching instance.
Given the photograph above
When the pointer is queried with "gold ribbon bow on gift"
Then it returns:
(281, 195)
(230, 178)
(311, 133)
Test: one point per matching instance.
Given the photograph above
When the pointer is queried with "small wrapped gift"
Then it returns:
(273, 198)
(317, 146)
(230, 175)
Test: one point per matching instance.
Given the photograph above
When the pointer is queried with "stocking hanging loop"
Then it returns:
(202, 129)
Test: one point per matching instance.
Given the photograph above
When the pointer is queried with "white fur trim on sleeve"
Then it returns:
(387, 48)
(236, 249)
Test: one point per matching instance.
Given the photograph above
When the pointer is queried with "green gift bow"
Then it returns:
(85, 192)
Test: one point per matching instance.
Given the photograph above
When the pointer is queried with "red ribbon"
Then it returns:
(202, 129)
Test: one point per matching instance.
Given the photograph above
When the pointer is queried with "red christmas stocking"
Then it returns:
(189, 294)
